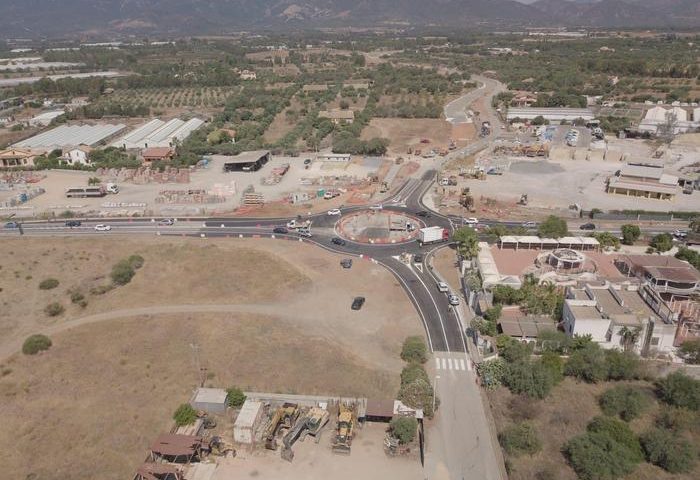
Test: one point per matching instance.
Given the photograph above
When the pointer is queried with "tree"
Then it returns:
(668, 451)
(122, 272)
(235, 397)
(414, 350)
(607, 240)
(418, 394)
(688, 255)
(484, 327)
(630, 234)
(539, 120)
(553, 227)
(467, 242)
(520, 438)
(596, 456)
(622, 365)
(492, 314)
(404, 428)
(662, 242)
(629, 337)
(36, 343)
(529, 378)
(679, 390)
(587, 364)
(492, 372)
(625, 401)
(184, 415)
(690, 351)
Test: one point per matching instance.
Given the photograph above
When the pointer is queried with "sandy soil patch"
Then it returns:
(408, 132)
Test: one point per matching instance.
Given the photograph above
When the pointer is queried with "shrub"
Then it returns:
(48, 284)
(587, 364)
(626, 401)
(554, 365)
(413, 372)
(622, 365)
(122, 272)
(77, 297)
(678, 419)
(630, 234)
(235, 397)
(514, 351)
(529, 378)
(484, 327)
(596, 456)
(492, 372)
(414, 350)
(184, 415)
(418, 394)
(619, 432)
(666, 450)
(35, 344)
(520, 438)
(679, 390)
(136, 261)
(54, 309)
(690, 351)
(404, 428)
(662, 242)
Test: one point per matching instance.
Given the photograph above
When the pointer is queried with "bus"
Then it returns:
(83, 192)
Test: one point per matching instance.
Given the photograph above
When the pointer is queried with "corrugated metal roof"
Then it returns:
(157, 133)
(68, 135)
(210, 395)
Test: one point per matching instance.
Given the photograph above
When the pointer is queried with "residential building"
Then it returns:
(525, 327)
(667, 275)
(338, 116)
(523, 99)
(17, 157)
(644, 181)
(77, 155)
(157, 154)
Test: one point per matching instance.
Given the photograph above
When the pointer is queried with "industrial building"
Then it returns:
(676, 116)
(552, 114)
(45, 119)
(158, 133)
(644, 181)
(245, 161)
(71, 135)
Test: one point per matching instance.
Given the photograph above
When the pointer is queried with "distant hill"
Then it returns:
(50, 18)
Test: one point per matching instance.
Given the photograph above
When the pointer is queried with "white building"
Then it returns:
(660, 115)
(247, 422)
(552, 114)
(44, 119)
(77, 155)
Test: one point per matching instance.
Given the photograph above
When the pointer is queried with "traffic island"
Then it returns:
(379, 227)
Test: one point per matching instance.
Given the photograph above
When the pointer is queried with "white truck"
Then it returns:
(429, 235)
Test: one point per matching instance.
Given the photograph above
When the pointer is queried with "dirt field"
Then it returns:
(405, 132)
(270, 316)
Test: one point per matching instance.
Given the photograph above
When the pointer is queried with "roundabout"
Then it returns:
(379, 227)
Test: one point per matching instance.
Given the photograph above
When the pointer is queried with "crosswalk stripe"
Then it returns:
(461, 363)
(444, 364)
(437, 363)
(449, 363)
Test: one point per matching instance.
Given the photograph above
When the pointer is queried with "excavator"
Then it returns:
(284, 417)
(466, 199)
(310, 423)
(345, 427)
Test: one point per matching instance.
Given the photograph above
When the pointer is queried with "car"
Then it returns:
(587, 226)
(101, 227)
(12, 225)
(281, 230)
(307, 161)
(417, 258)
(470, 221)
(357, 303)
(680, 233)
(334, 211)
(376, 207)
(167, 221)
(529, 225)
(338, 241)
(442, 287)
(73, 223)
(304, 232)
(453, 299)
(423, 214)
(346, 263)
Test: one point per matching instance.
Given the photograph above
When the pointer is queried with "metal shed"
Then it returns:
(212, 400)
(247, 422)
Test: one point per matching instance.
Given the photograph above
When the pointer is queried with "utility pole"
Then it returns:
(201, 375)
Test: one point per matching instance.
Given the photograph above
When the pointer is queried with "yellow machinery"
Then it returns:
(310, 423)
(345, 427)
(283, 417)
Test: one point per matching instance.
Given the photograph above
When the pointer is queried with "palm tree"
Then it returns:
(629, 337)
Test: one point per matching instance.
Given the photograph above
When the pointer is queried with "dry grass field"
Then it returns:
(408, 132)
(266, 315)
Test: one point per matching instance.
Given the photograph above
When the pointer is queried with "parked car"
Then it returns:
(281, 230)
(334, 211)
(423, 214)
(304, 232)
(587, 226)
(417, 258)
(307, 161)
(680, 234)
(101, 227)
(470, 221)
(357, 303)
(376, 207)
(442, 287)
(529, 225)
(453, 299)
(346, 263)
(167, 221)
(12, 225)
(338, 241)
(73, 223)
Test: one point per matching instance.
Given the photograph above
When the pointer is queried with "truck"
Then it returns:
(112, 188)
(485, 129)
(430, 235)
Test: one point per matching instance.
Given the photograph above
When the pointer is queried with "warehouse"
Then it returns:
(244, 162)
(247, 422)
(71, 135)
(552, 114)
(211, 400)
(643, 181)
(158, 133)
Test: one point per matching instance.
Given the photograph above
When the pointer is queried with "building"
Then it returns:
(532, 241)
(556, 115)
(514, 323)
(211, 400)
(77, 155)
(17, 157)
(661, 115)
(643, 181)
(245, 161)
(248, 75)
(667, 275)
(157, 133)
(334, 157)
(623, 317)
(523, 100)
(247, 422)
(71, 135)
(174, 448)
(490, 275)
(157, 154)
(338, 116)
(45, 119)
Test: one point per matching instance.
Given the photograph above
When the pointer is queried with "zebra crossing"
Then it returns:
(452, 364)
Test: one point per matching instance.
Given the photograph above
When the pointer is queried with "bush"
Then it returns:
(529, 378)
(679, 390)
(122, 272)
(666, 450)
(622, 365)
(48, 284)
(626, 401)
(492, 372)
(620, 432)
(35, 344)
(136, 261)
(404, 428)
(418, 394)
(587, 364)
(630, 234)
(235, 397)
(596, 456)
(554, 365)
(678, 419)
(413, 372)
(484, 327)
(54, 309)
(690, 351)
(414, 350)
(520, 438)
(514, 351)
(662, 242)
(184, 415)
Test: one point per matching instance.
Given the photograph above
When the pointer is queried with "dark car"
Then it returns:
(338, 241)
(280, 230)
(346, 263)
(417, 258)
(587, 226)
(357, 303)
(12, 225)
(423, 213)
(307, 161)
(73, 223)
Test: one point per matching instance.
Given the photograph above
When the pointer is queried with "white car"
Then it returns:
(453, 299)
(101, 227)
(376, 207)
(334, 211)
(529, 225)
(442, 287)
(470, 221)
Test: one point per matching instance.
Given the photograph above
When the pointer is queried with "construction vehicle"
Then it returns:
(284, 417)
(221, 447)
(466, 199)
(309, 423)
(453, 145)
(523, 199)
(296, 224)
(344, 430)
(485, 129)
(384, 187)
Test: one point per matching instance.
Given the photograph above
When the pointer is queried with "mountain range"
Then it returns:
(52, 18)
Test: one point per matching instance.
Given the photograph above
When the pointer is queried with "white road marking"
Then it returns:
(437, 363)
(444, 364)
(461, 364)
(449, 363)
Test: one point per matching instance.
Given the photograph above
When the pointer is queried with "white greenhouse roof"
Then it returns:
(69, 135)
(158, 133)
